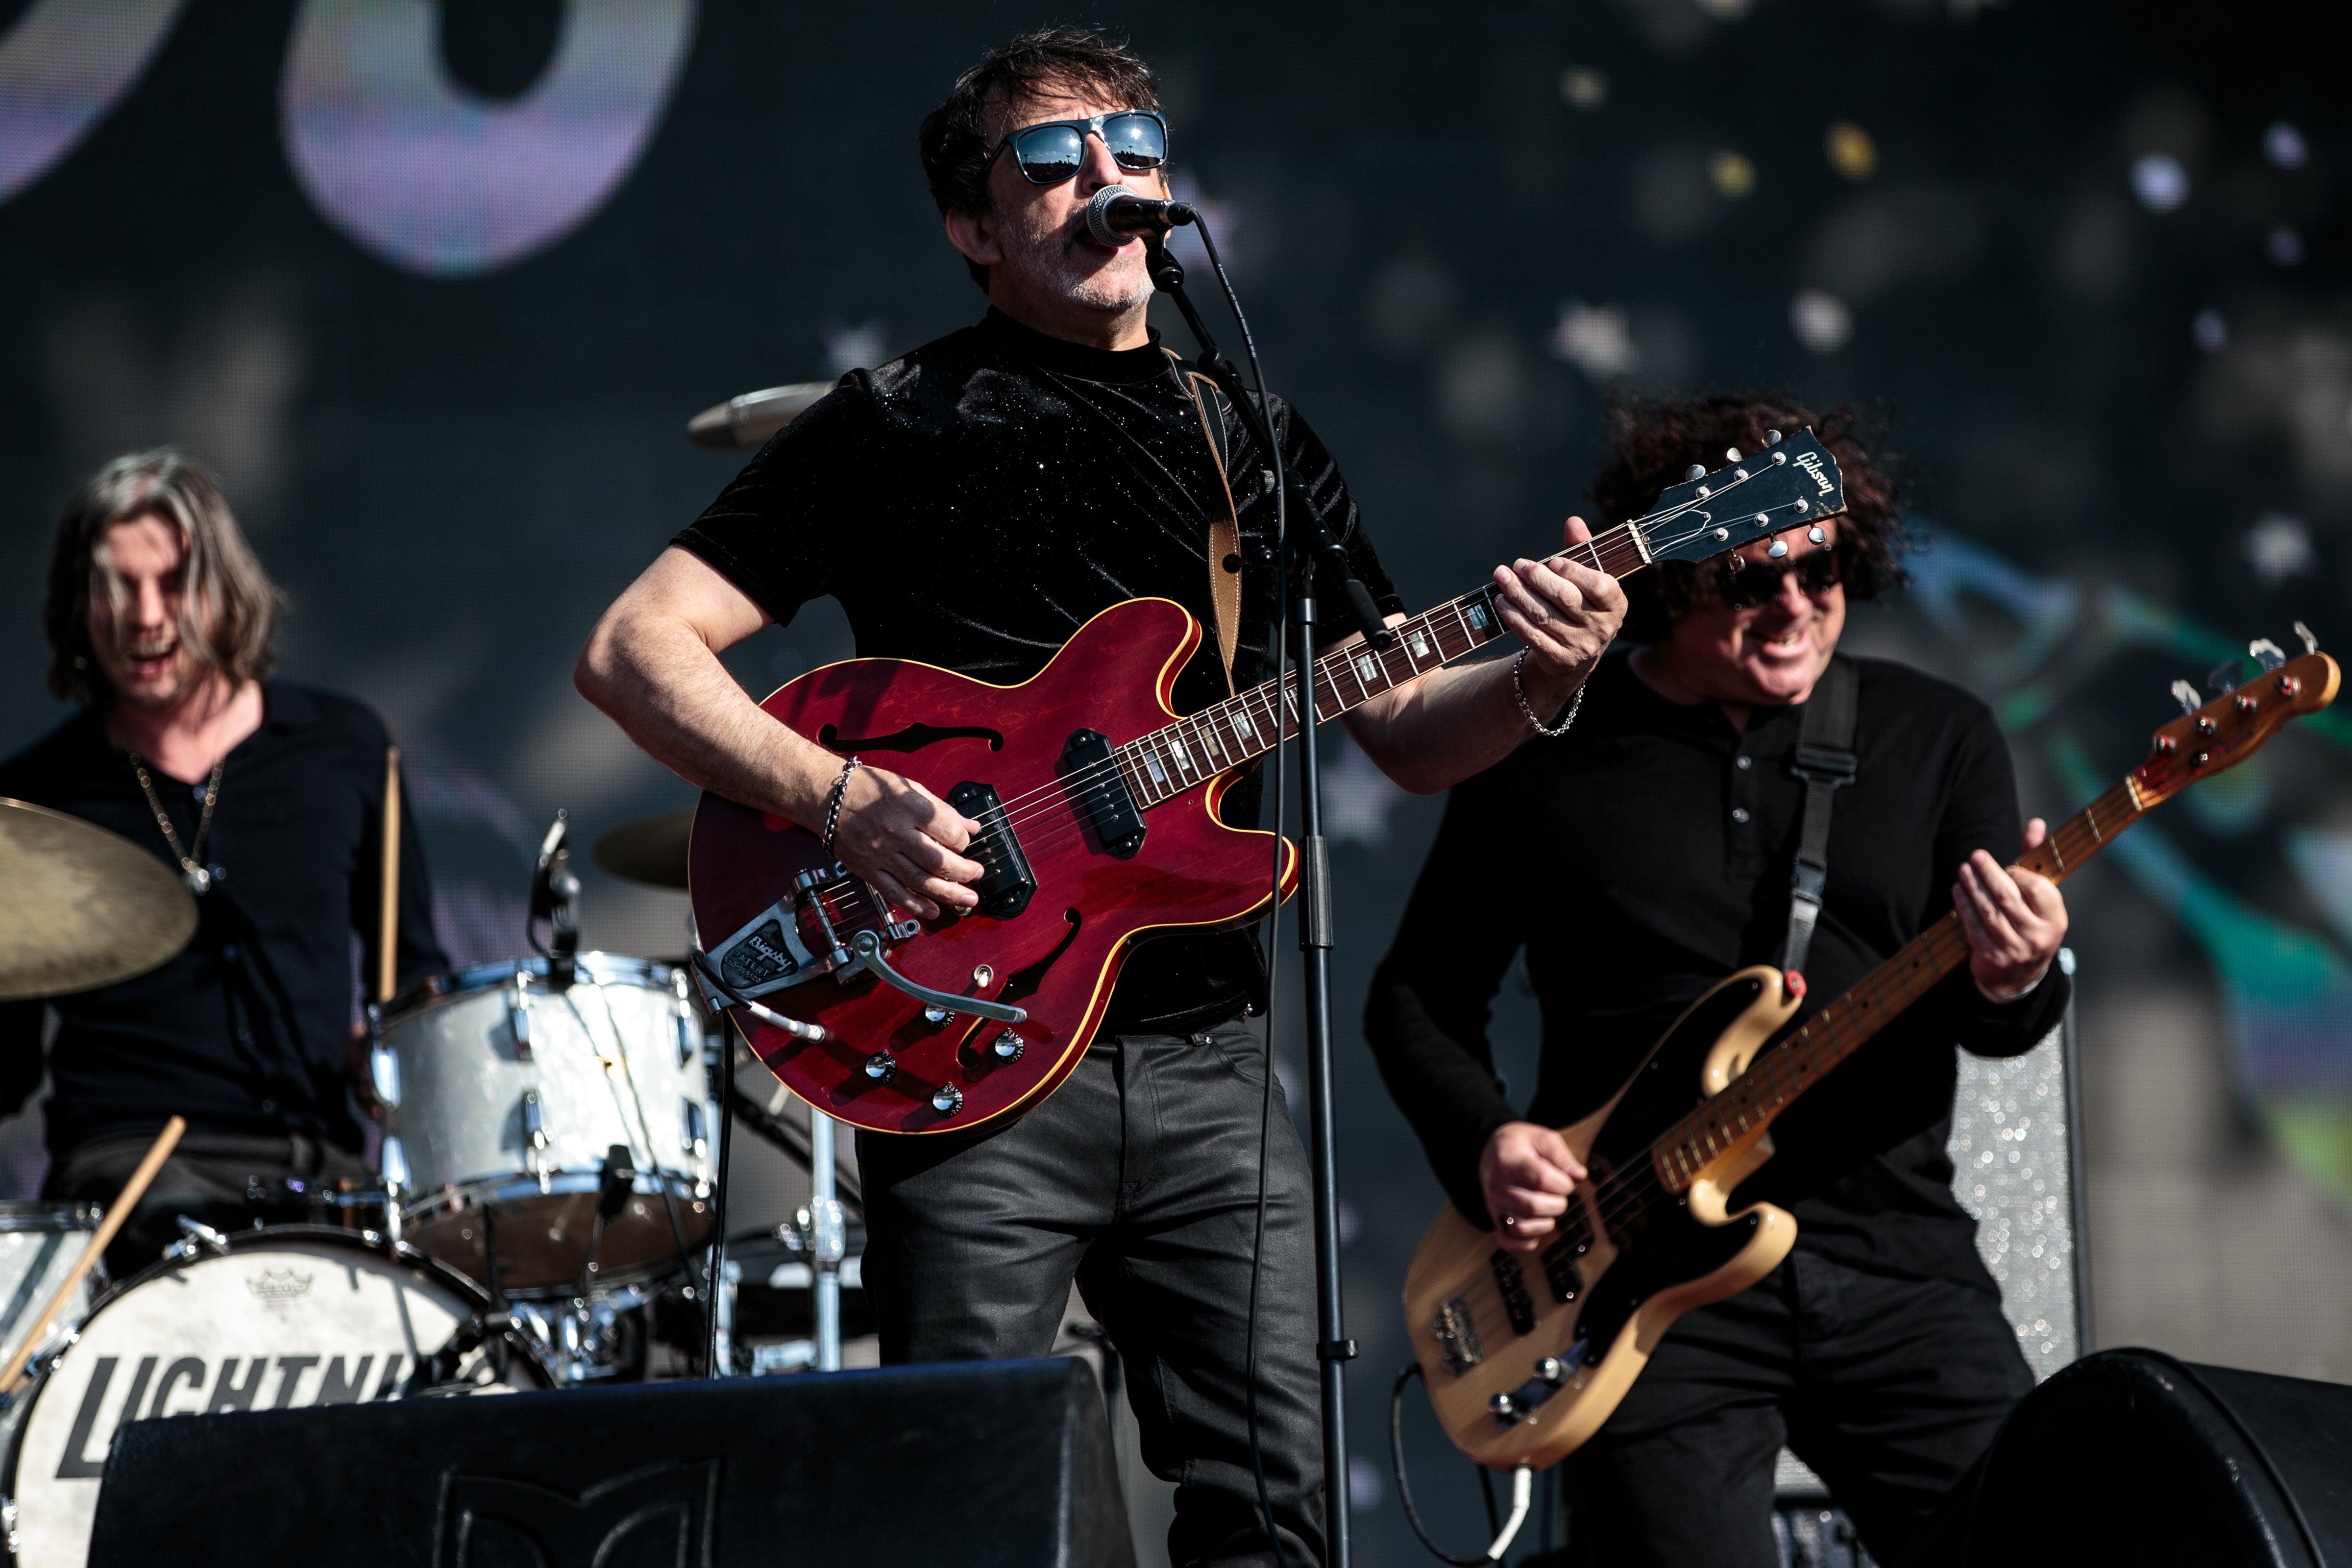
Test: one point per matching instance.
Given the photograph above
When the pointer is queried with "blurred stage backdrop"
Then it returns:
(435, 288)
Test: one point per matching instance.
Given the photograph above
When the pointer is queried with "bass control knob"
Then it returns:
(881, 1067)
(1550, 1371)
(1506, 1408)
(947, 1100)
(1008, 1047)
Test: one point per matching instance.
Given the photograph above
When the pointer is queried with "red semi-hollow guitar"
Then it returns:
(1097, 804)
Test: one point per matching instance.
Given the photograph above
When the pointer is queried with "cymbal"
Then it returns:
(85, 907)
(652, 850)
(750, 419)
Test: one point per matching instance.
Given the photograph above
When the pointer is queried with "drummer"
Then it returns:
(268, 798)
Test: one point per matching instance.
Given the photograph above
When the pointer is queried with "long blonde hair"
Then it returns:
(228, 605)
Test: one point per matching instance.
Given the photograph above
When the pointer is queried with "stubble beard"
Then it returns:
(1061, 266)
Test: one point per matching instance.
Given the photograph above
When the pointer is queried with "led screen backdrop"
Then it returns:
(433, 287)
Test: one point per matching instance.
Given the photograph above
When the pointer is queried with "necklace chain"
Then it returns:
(192, 870)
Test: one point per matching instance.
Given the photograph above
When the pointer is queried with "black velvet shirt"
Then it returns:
(974, 503)
(1646, 856)
(247, 1031)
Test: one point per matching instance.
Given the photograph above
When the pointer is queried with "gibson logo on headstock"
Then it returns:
(758, 958)
(1811, 463)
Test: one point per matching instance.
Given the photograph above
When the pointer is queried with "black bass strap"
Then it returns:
(1826, 761)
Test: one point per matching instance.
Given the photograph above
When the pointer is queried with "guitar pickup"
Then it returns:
(1518, 1305)
(1005, 880)
(1102, 793)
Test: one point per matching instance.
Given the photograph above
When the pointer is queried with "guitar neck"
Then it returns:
(1778, 1074)
(1171, 760)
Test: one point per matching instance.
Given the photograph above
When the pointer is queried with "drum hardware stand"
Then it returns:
(555, 898)
(1315, 546)
(828, 1241)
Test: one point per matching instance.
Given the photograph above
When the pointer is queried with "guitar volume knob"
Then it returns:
(881, 1067)
(1008, 1047)
(948, 1100)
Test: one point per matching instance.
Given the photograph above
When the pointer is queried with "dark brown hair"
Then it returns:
(1655, 443)
(957, 141)
(229, 606)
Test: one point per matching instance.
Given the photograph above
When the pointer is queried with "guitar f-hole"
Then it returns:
(913, 737)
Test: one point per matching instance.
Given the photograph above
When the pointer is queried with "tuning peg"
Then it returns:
(2266, 653)
(1731, 454)
(1697, 471)
(1816, 535)
(2186, 695)
(1771, 437)
(1734, 564)
(2225, 676)
(2310, 642)
(1777, 549)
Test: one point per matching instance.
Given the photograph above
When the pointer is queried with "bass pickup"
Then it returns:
(1102, 793)
(1005, 882)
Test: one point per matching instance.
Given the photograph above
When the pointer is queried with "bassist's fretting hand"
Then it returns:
(2015, 919)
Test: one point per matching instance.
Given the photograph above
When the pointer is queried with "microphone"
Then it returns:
(1116, 215)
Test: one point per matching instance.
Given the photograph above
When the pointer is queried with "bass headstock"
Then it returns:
(2227, 730)
(1792, 482)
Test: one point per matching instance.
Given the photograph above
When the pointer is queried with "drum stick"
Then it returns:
(13, 1375)
(387, 944)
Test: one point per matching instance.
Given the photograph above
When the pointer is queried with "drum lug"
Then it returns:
(519, 1015)
(195, 1237)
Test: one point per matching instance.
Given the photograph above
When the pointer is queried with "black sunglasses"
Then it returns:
(1054, 151)
(1758, 582)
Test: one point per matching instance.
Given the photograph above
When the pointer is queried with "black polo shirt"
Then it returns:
(247, 1030)
(1647, 855)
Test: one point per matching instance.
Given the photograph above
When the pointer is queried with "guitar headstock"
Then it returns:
(2233, 726)
(1790, 483)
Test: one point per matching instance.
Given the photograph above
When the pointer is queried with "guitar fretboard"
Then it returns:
(1785, 1070)
(1191, 751)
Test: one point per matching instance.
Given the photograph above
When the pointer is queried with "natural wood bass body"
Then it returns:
(1622, 1302)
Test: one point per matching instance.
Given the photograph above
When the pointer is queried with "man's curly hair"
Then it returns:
(1654, 441)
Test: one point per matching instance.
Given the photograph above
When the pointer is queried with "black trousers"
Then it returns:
(1888, 1388)
(1139, 1176)
(223, 1180)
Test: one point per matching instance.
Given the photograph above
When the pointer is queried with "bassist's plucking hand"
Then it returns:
(1527, 1173)
(2015, 919)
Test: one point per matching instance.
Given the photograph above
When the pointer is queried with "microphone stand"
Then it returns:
(1308, 547)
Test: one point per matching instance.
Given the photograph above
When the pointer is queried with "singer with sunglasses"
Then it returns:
(1664, 831)
(972, 505)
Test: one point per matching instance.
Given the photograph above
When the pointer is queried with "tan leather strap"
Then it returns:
(1224, 532)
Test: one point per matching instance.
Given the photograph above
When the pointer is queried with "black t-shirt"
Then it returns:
(1646, 856)
(974, 503)
(247, 1030)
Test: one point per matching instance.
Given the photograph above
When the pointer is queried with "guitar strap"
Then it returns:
(1224, 532)
(1826, 761)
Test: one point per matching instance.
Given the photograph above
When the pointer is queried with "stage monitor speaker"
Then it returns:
(976, 1463)
(2132, 1456)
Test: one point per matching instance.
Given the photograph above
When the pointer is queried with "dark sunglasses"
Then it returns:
(1052, 152)
(1760, 583)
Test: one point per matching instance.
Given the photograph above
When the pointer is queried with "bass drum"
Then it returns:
(294, 1316)
(40, 1245)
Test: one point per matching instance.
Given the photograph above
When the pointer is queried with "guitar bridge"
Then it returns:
(1457, 1337)
(805, 934)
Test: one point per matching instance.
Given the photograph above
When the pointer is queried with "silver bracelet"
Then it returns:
(1519, 689)
(833, 802)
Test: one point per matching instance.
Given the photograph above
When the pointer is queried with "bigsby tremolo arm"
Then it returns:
(866, 951)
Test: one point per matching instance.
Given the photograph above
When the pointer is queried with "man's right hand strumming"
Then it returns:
(904, 841)
(1526, 1173)
(653, 664)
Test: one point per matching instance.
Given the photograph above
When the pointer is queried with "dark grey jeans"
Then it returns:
(1139, 1176)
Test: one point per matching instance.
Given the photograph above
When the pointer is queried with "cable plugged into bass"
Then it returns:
(1522, 1489)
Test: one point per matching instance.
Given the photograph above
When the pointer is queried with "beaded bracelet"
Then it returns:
(832, 800)
(1519, 689)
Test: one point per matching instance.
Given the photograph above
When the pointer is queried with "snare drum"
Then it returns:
(39, 1244)
(290, 1317)
(506, 1099)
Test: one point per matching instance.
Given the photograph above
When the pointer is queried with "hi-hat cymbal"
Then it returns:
(85, 907)
(652, 851)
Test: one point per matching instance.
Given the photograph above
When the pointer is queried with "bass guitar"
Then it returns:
(1524, 1355)
(1097, 806)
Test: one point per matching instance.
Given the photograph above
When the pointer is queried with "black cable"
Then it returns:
(1404, 1487)
(1274, 907)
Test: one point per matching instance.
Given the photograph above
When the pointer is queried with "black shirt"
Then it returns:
(247, 1030)
(974, 503)
(1647, 855)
